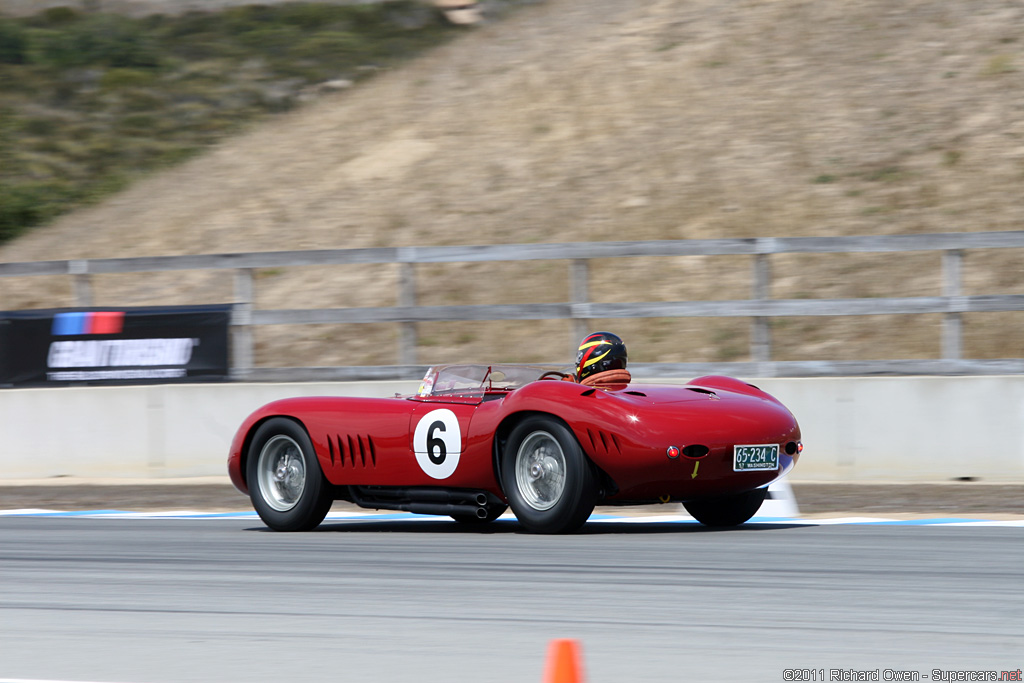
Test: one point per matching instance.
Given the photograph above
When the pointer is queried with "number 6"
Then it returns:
(437, 443)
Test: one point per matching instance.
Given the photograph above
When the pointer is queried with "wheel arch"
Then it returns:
(510, 422)
(243, 457)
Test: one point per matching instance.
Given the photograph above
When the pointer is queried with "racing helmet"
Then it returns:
(600, 352)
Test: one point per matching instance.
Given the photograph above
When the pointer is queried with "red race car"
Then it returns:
(477, 439)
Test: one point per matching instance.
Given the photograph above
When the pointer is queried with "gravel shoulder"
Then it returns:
(824, 499)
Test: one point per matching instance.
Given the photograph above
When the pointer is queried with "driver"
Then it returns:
(601, 360)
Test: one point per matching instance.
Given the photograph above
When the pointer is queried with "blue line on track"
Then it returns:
(598, 518)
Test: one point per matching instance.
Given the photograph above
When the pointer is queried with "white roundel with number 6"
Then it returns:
(437, 443)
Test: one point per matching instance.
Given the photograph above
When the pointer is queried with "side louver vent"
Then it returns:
(603, 442)
(357, 450)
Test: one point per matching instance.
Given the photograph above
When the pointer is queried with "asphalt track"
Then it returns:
(398, 599)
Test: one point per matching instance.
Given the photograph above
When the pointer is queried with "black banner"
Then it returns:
(114, 345)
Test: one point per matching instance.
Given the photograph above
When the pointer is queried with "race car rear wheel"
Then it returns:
(286, 485)
(548, 480)
(727, 510)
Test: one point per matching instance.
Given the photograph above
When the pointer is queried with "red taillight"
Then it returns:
(672, 452)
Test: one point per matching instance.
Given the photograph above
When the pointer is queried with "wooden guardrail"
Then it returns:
(760, 307)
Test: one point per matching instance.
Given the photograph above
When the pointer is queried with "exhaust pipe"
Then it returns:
(443, 509)
(425, 501)
(426, 494)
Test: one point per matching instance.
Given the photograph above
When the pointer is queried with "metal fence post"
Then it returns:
(241, 325)
(407, 338)
(579, 293)
(760, 331)
(81, 282)
(952, 323)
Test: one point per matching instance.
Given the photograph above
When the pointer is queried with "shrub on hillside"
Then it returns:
(13, 43)
(93, 99)
(25, 204)
(96, 40)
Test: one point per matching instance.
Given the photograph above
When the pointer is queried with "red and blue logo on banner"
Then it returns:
(93, 322)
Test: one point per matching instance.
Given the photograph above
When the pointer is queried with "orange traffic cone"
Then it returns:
(564, 663)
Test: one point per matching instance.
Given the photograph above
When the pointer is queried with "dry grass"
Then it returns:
(604, 120)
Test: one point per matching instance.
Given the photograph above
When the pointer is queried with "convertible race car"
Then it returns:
(477, 439)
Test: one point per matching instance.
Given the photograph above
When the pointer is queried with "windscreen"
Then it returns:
(463, 380)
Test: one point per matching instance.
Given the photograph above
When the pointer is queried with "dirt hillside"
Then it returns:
(609, 120)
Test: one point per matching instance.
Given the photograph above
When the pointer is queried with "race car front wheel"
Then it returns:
(727, 510)
(548, 480)
(286, 485)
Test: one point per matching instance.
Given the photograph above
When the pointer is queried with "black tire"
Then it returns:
(286, 485)
(493, 513)
(549, 482)
(727, 510)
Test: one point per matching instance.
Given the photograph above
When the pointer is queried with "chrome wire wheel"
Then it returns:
(550, 483)
(540, 470)
(281, 472)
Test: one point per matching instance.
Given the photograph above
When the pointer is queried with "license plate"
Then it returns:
(763, 457)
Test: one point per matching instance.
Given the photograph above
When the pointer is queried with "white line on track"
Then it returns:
(409, 517)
